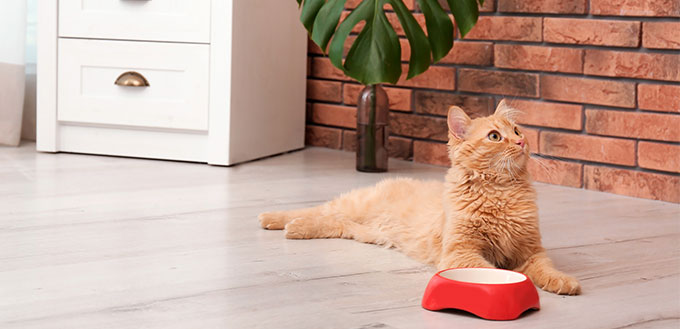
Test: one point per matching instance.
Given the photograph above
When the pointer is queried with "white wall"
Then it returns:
(13, 35)
(28, 126)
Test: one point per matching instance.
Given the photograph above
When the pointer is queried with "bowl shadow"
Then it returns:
(464, 313)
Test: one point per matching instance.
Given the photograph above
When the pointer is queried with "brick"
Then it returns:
(418, 126)
(405, 50)
(488, 6)
(507, 28)
(436, 77)
(556, 172)
(400, 148)
(470, 53)
(546, 114)
(659, 97)
(633, 183)
(496, 82)
(591, 32)
(399, 98)
(349, 140)
(323, 136)
(661, 35)
(431, 153)
(323, 68)
(655, 8)
(334, 115)
(657, 156)
(543, 6)
(308, 112)
(351, 4)
(656, 126)
(322, 90)
(632, 64)
(309, 66)
(538, 58)
(438, 103)
(312, 48)
(587, 90)
(397, 147)
(589, 148)
(531, 137)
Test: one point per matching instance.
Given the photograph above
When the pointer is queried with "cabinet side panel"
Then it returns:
(220, 81)
(46, 73)
(268, 79)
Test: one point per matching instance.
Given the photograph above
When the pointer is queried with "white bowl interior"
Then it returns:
(483, 275)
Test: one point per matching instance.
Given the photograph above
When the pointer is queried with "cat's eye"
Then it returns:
(517, 131)
(494, 136)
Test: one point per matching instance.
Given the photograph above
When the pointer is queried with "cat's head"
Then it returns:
(490, 145)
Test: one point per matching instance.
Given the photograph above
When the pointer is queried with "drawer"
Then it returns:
(176, 97)
(152, 20)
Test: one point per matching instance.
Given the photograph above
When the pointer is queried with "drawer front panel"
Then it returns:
(177, 74)
(152, 20)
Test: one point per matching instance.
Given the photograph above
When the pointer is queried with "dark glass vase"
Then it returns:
(372, 116)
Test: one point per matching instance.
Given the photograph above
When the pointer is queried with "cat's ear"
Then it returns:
(505, 111)
(458, 122)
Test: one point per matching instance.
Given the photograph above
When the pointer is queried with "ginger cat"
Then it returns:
(483, 215)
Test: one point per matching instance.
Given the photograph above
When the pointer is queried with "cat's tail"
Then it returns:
(277, 220)
(320, 222)
(306, 223)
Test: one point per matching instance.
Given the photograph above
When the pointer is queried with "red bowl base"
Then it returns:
(506, 301)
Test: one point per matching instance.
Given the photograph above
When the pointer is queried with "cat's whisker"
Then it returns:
(493, 161)
(513, 169)
(498, 162)
(545, 167)
(509, 164)
(509, 167)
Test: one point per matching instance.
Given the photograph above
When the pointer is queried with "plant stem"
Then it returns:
(371, 130)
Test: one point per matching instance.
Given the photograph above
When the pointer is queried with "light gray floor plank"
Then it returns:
(105, 242)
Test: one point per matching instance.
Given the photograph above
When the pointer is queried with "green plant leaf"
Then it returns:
(439, 28)
(420, 46)
(375, 55)
(310, 8)
(466, 13)
(336, 50)
(326, 21)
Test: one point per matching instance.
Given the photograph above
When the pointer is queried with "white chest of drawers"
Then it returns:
(214, 81)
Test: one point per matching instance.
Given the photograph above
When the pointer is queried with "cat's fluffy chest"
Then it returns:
(504, 217)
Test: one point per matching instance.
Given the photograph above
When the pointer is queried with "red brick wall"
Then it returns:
(597, 79)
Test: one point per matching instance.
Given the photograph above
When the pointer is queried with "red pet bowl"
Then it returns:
(489, 293)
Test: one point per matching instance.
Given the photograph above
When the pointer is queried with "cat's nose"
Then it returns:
(520, 142)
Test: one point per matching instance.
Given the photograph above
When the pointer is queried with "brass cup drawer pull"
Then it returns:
(131, 79)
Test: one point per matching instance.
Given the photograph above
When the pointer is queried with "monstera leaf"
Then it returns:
(375, 55)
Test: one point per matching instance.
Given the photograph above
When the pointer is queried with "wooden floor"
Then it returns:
(105, 242)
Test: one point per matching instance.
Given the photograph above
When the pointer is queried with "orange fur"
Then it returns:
(483, 215)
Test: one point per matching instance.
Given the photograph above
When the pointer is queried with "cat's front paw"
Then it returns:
(562, 284)
(271, 221)
(298, 229)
